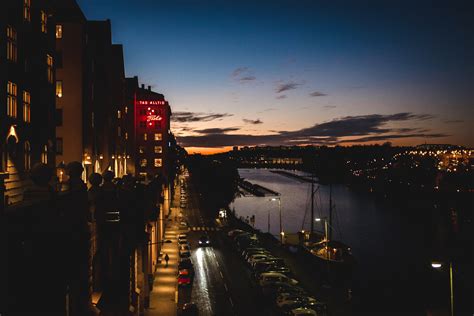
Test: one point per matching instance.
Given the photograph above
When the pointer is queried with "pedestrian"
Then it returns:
(167, 258)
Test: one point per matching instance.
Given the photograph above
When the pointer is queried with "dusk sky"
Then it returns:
(276, 72)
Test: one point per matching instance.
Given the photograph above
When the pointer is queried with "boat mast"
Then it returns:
(312, 203)
(330, 212)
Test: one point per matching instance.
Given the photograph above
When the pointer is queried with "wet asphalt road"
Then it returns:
(222, 285)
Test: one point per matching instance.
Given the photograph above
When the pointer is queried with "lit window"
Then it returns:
(59, 31)
(141, 149)
(27, 156)
(27, 10)
(119, 115)
(11, 99)
(44, 22)
(26, 106)
(59, 88)
(49, 63)
(44, 155)
(59, 146)
(126, 109)
(126, 135)
(143, 162)
(11, 44)
(158, 162)
(158, 149)
(145, 136)
(158, 136)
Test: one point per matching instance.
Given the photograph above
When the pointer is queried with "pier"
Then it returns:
(294, 176)
(256, 189)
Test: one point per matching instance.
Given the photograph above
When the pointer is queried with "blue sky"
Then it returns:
(273, 68)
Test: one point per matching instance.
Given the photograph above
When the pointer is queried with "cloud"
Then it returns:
(238, 71)
(453, 121)
(317, 94)
(210, 131)
(281, 96)
(286, 86)
(328, 107)
(348, 129)
(254, 122)
(184, 117)
(247, 78)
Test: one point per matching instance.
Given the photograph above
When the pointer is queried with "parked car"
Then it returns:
(285, 300)
(189, 309)
(302, 311)
(204, 241)
(184, 247)
(256, 257)
(234, 232)
(251, 249)
(184, 277)
(182, 242)
(185, 263)
(254, 252)
(184, 254)
(273, 277)
(182, 236)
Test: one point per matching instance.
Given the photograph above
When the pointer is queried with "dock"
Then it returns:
(256, 189)
(295, 176)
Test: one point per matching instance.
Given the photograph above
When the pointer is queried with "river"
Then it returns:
(390, 245)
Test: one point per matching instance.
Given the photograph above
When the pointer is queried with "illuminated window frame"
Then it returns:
(49, 64)
(27, 156)
(11, 99)
(119, 114)
(141, 149)
(26, 106)
(12, 51)
(44, 22)
(27, 10)
(59, 88)
(44, 155)
(143, 163)
(59, 31)
(158, 149)
(158, 136)
(158, 162)
(145, 136)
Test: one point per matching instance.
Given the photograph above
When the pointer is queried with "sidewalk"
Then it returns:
(163, 298)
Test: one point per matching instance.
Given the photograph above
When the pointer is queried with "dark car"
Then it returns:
(204, 241)
(189, 309)
(185, 263)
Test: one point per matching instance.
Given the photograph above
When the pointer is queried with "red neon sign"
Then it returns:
(150, 102)
(153, 118)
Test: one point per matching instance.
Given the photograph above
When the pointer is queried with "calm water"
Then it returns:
(388, 244)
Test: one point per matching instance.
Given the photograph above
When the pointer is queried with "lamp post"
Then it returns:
(438, 265)
(279, 209)
(325, 226)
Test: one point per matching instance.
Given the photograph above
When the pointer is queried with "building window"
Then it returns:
(26, 107)
(59, 117)
(143, 162)
(158, 136)
(59, 146)
(158, 162)
(44, 155)
(44, 22)
(49, 63)
(11, 44)
(11, 99)
(142, 124)
(27, 156)
(141, 149)
(119, 115)
(126, 109)
(119, 131)
(145, 136)
(126, 135)
(158, 149)
(59, 88)
(59, 31)
(27, 10)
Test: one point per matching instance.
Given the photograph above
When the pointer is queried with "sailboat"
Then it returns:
(322, 247)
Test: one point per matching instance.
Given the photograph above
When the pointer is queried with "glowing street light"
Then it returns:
(279, 208)
(438, 265)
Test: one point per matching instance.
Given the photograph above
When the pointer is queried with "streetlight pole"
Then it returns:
(438, 265)
(281, 225)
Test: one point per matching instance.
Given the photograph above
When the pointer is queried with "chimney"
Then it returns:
(149, 88)
(143, 86)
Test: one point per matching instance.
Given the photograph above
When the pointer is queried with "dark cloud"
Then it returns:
(254, 122)
(317, 94)
(286, 86)
(247, 78)
(184, 117)
(282, 96)
(238, 71)
(364, 128)
(210, 131)
(453, 121)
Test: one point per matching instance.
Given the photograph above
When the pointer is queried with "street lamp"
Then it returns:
(279, 208)
(325, 226)
(438, 265)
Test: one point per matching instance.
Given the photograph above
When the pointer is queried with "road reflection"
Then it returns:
(201, 293)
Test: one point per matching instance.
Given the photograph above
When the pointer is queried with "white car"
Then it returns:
(303, 311)
(293, 299)
(273, 277)
(256, 257)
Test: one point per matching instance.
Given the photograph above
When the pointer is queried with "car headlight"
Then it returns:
(207, 241)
